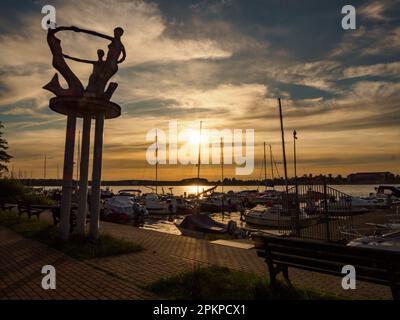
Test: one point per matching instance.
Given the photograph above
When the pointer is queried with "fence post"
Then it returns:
(297, 210)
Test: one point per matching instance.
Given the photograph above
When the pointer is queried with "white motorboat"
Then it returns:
(274, 217)
(155, 206)
(122, 207)
(217, 203)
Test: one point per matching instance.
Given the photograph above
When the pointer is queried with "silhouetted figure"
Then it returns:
(242, 210)
(75, 87)
(95, 78)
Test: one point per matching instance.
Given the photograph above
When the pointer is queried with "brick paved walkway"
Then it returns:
(167, 253)
(121, 277)
(21, 262)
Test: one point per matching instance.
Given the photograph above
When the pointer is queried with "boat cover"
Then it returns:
(202, 223)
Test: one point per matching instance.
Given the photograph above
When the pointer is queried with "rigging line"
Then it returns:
(276, 167)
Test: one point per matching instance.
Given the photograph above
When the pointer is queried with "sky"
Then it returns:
(224, 62)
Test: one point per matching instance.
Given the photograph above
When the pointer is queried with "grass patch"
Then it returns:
(81, 248)
(216, 283)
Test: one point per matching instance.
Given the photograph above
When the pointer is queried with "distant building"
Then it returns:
(371, 178)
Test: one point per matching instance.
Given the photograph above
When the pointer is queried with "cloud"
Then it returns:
(316, 74)
(380, 69)
(376, 10)
(369, 41)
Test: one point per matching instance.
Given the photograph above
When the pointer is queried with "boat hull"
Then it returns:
(274, 221)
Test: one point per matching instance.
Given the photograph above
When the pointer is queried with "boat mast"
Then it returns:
(283, 145)
(198, 161)
(265, 168)
(156, 162)
(44, 173)
(222, 165)
(272, 166)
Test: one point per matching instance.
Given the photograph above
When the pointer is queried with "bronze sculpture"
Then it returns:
(103, 70)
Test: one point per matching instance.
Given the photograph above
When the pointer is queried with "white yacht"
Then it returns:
(274, 217)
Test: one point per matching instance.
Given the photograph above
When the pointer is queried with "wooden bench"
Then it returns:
(30, 209)
(371, 265)
(56, 211)
(6, 206)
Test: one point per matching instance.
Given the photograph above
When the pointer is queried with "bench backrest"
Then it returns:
(370, 264)
(23, 205)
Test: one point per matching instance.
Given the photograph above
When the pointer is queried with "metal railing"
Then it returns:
(316, 211)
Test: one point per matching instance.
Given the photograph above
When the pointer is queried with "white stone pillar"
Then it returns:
(96, 177)
(67, 177)
(84, 173)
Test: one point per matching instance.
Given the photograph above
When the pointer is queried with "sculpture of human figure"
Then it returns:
(75, 87)
(95, 78)
(106, 69)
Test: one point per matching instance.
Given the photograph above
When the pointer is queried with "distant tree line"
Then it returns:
(4, 156)
(305, 179)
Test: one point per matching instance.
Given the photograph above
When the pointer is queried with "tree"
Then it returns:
(4, 156)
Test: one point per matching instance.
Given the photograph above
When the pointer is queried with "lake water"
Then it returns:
(353, 190)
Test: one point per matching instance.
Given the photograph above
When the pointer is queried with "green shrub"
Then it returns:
(12, 191)
(35, 198)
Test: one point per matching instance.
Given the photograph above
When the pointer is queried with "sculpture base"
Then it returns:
(84, 106)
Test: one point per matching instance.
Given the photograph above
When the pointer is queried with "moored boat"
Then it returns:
(156, 206)
(122, 207)
(275, 217)
(200, 225)
(389, 241)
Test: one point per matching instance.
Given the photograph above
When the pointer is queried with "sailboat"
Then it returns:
(273, 214)
(269, 196)
(152, 202)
